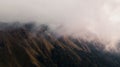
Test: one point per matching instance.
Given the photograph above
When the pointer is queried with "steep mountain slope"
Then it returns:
(21, 47)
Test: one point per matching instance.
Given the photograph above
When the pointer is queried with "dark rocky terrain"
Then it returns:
(22, 46)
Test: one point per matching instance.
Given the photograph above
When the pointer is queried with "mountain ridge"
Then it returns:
(21, 47)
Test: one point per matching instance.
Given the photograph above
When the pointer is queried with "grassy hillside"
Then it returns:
(21, 47)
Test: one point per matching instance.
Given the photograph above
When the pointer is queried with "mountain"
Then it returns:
(24, 46)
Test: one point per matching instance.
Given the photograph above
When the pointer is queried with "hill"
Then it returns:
(23, 46)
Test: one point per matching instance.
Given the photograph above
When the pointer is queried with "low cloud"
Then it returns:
(99, 18)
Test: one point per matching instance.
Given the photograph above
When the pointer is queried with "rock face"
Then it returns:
(19, 47)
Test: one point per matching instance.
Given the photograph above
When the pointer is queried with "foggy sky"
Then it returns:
(97, 17)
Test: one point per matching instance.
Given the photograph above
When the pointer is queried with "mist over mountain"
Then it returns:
(99, 18)
(26, 46)
(59, 33)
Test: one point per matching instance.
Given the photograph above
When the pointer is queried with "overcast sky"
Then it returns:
(100, 17)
